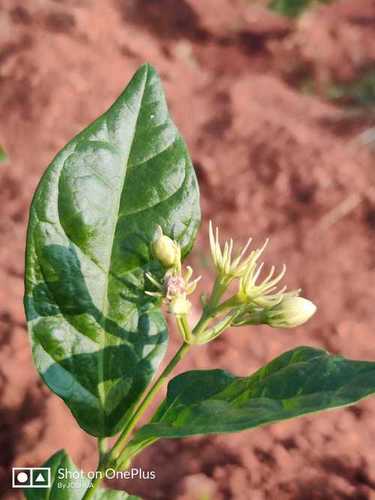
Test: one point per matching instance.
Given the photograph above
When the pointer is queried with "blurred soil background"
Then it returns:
(278, 114)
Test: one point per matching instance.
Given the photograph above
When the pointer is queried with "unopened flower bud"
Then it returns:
(292, 311)
(179, 305)
(165, 250)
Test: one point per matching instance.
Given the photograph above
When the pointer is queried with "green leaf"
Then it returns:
(301, 381)
(97, 339)
(360, 92)
(68, 483)
(114, 495)
(293, 8)
(3, 155)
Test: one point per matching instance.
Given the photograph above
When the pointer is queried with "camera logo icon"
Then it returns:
(31, 477)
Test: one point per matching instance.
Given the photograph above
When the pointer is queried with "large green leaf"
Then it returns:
(301, 381)
(97, 339)
(68, 483)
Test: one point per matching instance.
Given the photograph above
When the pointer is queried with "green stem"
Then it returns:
(230, 303)
(116, 450)
(90, 492)
(130, 452)
(210, 308)
(184, 327)
(219, 288)
(118, 453)
(102, 447)
(216, 330)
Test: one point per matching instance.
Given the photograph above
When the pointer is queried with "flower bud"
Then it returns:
(165, 250)
(292, 311)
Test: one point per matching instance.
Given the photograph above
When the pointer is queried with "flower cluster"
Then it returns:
(176, 285)
(258, 300)
(227, 268)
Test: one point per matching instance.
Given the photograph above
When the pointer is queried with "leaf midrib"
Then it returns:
(105, 302)
(174, 405)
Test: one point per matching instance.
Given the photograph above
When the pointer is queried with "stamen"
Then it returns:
(153, 281)
(257, 273)
(188, 274)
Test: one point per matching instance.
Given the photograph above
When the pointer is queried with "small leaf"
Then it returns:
(3, 155)
(97, 339)
(301, 381)
(114, 495)
(64, 486)
(293, 8)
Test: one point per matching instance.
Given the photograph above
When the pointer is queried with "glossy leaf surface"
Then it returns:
(301, 381)
(64, 486)
(97, 339)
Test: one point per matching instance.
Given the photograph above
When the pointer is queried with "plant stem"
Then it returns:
(116, 450)
(182, 323)
(217, 291)
(230, 303)
(210, 308)
(130, 452)
(184, 327)
(90, 492)
(102, 447)
(215, 331)
(147, 400)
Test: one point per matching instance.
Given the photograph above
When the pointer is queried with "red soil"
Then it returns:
(271, 161)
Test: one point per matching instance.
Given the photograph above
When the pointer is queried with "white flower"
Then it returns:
(175, 289)
(263, 294)
(227, 267)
